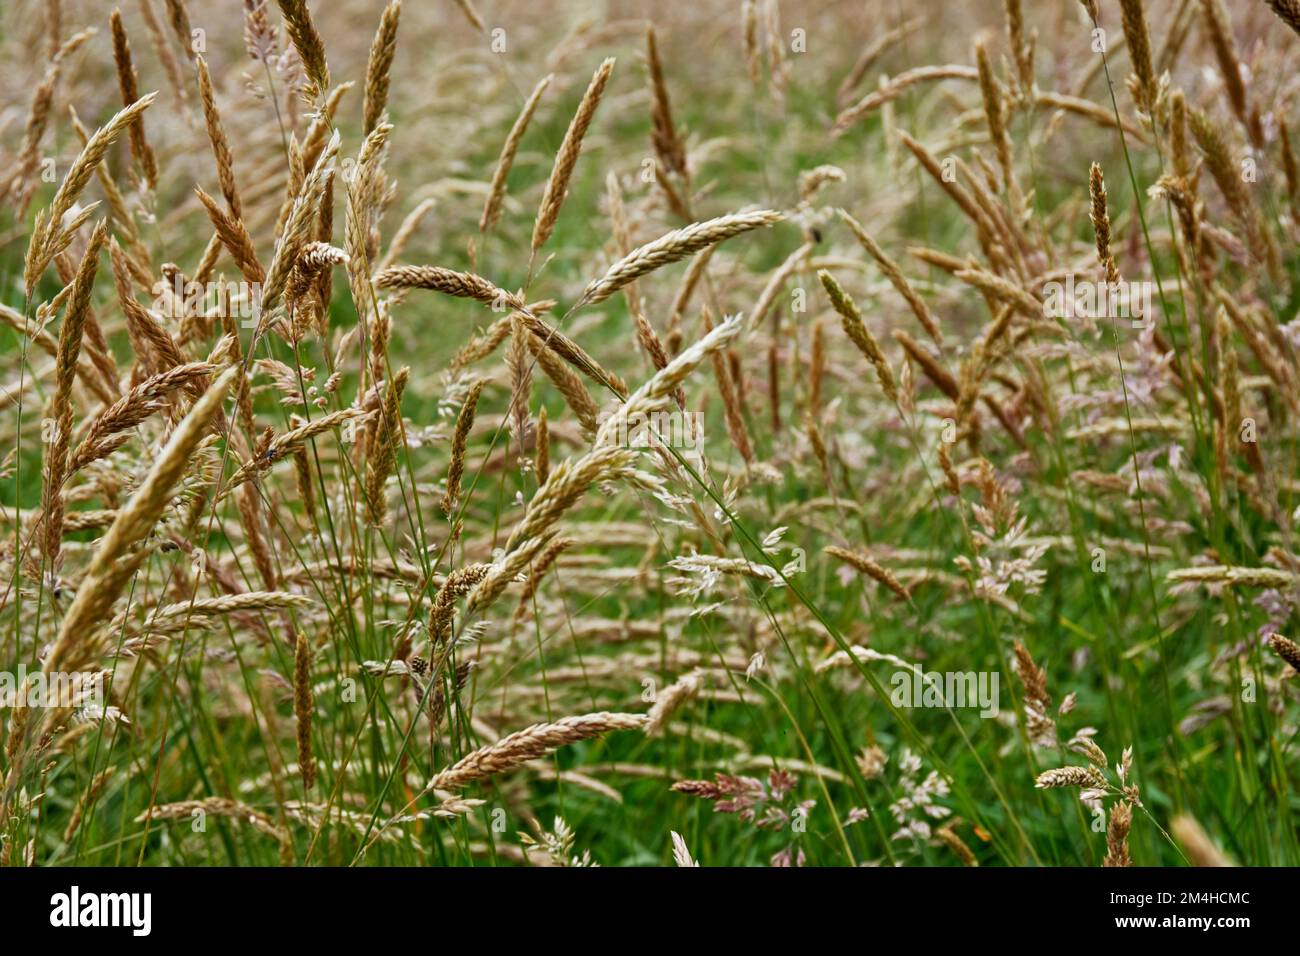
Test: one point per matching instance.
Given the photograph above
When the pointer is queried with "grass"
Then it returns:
(692, 661)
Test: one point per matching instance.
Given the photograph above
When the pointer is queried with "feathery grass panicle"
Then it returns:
(1178, 149)
(232, 232)
(1144, 86)
(671, 247)
(289, 441)
(110, 428)
(113, 563)
(672, 697)
(302, 219)
(382, 452)
(50, 234)
(521, 384)
(749, 34)
(459, 583)
(304, 706)
(879, 45)
(895, 88)
(1100, 217)
(471, 14)
(567, 383)
(994, 112)
(858, 333)
(1290, 167)
(871, 568)
(669, 147)
(307, 41)
(505, 162)
(70, 334)
(1224, 169)
(1117, 829)
(529, 744)
(459, 444)
(1088, 778)
(1286, 649)
(463, 285)
(1001, 289)
(127, 84)
(217, 137)
(1224, 44)
(557, 185)
(732, 405)
(380, 65)
(179, 19)
(542, 457)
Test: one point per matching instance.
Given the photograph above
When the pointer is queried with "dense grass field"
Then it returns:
(770, 434)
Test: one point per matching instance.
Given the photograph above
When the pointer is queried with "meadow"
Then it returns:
(763, 433)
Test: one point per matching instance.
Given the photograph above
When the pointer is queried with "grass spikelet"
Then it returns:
(871, 568)
(858, 334)
(70, 334)
(286, 443)
(459, 443)
(128, 86)
(1101, 222)
(529, 744)
(303, 707)
(1286, 649)
(382, 452)
(220, 144)
(1134, 20)
(668, 144)
(1089, 778)
(1117, 828)
(459, 583)
(380, 65)
(1219, 28)
(49, 234)
(542, 458)
(311, 49)
(557, 186)
(497, 189)
(112, 564)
